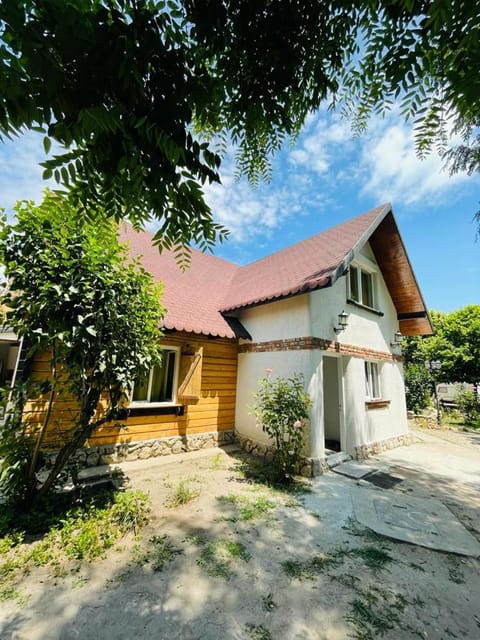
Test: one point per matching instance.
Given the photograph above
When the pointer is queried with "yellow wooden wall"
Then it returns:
(211, 406)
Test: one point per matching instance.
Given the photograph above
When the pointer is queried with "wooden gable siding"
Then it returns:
(209, 403)
(390, 253)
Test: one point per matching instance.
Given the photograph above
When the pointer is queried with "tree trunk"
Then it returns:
(85, 429)
(33, 463)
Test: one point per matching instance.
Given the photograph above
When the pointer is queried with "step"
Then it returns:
(334, 459)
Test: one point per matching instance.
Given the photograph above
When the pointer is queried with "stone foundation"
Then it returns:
(142, 450)
(366, 450)
(307, 468)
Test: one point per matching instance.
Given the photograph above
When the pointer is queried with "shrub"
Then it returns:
(469, 406)
(282, 408)
(418, 387)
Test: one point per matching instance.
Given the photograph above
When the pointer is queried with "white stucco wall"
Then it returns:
(315, 314)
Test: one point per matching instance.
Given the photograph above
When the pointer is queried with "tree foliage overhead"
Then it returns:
(140, 92)
(423, 55)
(128, 86)
(76, 296)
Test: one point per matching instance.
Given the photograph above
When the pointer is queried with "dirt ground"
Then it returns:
(242, 561)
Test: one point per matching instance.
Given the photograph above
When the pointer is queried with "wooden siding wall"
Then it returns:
(210, 408)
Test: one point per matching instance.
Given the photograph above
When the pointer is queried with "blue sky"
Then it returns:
(326, 177)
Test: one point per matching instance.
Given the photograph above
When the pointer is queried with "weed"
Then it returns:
(258, 632)
(371, 618)
(268, 602)
(120, 577)
(417, 567)
(216, 557)
(130, 510)
(455, 573)
(308, 570)
(162, 552)
(182, 495)
(248, 508)
(354, 529)
(197, 540)
(376, 611)
(218, 462)
(10, 592)
(348, 580)
(374, 558)
(9, 541)
(79, 581)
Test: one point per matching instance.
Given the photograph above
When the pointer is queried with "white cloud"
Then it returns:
(20, 173)
(391, 170)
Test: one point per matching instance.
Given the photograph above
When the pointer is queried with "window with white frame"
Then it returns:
(160, 386)
(361, 286)
(372, 381)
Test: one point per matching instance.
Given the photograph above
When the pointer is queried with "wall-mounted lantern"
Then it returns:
(342, 322)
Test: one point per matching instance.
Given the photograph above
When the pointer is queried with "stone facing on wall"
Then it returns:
(310, 343)
(366, 450)
(307, 468)
(142, 450)
(310, 467)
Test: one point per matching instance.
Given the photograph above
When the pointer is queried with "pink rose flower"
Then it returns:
(298, 424)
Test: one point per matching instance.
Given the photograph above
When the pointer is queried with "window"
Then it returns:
(361, 286)
(372, 381)
(161, 384)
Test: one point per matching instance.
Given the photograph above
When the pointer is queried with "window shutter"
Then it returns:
(190, 375)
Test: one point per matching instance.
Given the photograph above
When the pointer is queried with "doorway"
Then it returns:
(331, 403)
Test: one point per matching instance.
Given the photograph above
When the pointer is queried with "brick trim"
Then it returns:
(313, 343)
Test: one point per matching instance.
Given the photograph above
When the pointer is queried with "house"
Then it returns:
(330, 307)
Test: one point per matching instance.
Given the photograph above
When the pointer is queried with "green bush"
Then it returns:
(418, 387)
(469, 406)
(282, 409)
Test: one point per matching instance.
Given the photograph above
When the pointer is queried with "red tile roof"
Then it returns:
(198, 298)
(192, 297)
(304, 266)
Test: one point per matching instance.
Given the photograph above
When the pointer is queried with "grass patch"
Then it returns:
(9, 592)
(85, 533)
(162, 551)
(246, 508)
(374, 558)
(218, 462)
(252, 470)
(374, 612)
(182, 495)
(217, 557)
(310, 569)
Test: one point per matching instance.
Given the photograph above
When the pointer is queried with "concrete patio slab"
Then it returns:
(422, 521)
(354, 469)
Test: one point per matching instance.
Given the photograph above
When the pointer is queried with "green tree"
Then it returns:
(134, 90)
(455, 344)
(143, 95)
(75, 295)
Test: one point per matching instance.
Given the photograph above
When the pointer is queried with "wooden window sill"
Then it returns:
(377, 404)
(157, 410)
